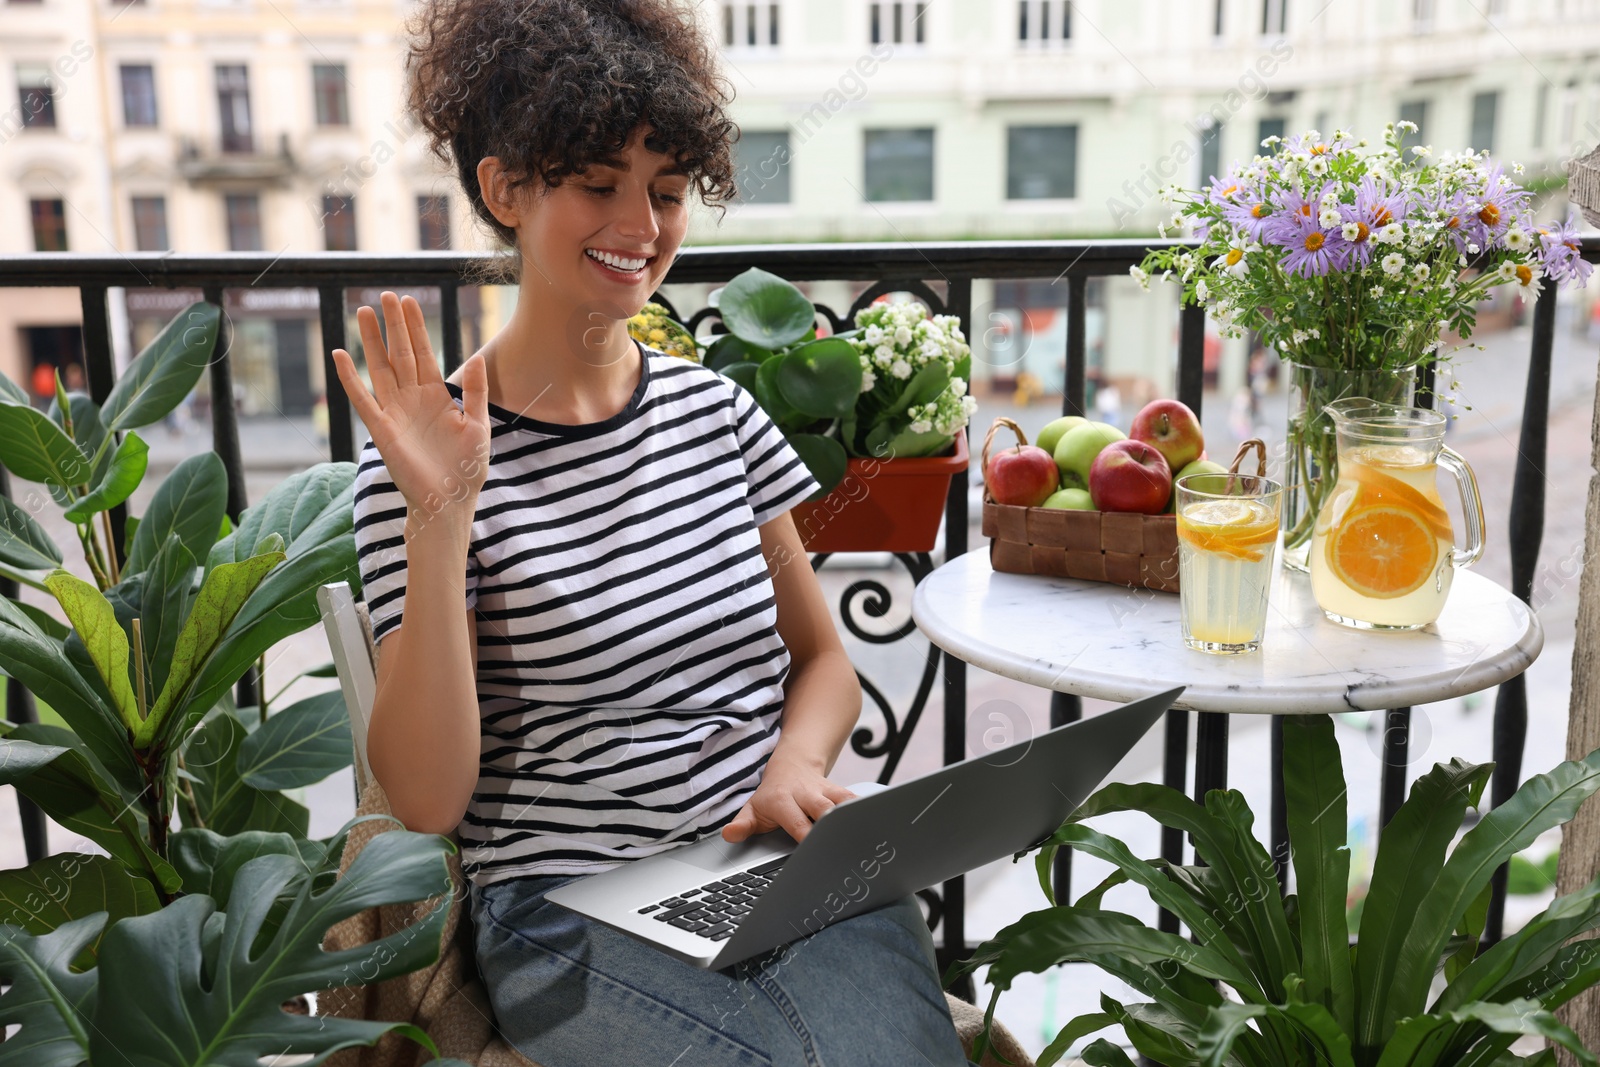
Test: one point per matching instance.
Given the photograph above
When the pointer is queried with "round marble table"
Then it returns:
(1110, 642)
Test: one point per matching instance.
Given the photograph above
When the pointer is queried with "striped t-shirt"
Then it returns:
(630, 671)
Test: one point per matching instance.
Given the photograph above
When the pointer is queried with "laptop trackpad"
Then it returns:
(716, 854)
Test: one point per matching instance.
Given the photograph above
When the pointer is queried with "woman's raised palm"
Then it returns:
(437, 454)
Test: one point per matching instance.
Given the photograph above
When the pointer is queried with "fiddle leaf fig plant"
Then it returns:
(893, 387)
(1275, 980)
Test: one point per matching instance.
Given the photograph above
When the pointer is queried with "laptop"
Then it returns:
(714, 903)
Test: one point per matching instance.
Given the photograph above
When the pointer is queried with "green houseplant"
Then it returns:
(878, 413)
(1301, 987)
(109, 950)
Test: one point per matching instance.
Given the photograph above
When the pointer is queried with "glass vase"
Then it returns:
(1311, 455)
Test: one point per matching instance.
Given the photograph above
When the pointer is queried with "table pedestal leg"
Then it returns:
(1065, 708)
(1396, 740)
(1175, 775)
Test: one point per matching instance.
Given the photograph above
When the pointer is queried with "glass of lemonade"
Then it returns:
(1227, 547)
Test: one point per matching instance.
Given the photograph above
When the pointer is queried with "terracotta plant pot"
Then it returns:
(892, 505)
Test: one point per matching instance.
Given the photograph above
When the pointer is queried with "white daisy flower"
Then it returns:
(1137, 274)
(1328, 216)
(1350, 230)
(1517, 239)
(1420, 272)
(873, 335)
(1506, 271)
(902, 335)
(900, 369)
(1393, 264)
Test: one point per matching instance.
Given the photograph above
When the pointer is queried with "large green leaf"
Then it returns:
(12, 393)
(23, 542)
(159, 598)
(913, 444)
(1411, 853)
(36, 449)
(163, 374)
(46, 895)
(187, 987)
(765, 310)
(1155, 1032)
(40, 663)
(121, 478)
(1544, 801)
(298, 745)
(923, 386)
(226, 803)
(821, 379)
(86, 430)
(222, 595)
(1103, 1053)
(190, 503)
(769, 396)
(47, 999)
(824, 458)
(1071, 1034)
(95, 622)
(729, 349)
(1314, 800)
(1163, 893)
(1222, 837)
(65, 785)
(1526, 951)
(1318, 1024)
(1224, 1027)
(284, 604)
(306, 503)
(209, 862)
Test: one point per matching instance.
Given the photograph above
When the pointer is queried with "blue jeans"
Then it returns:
(570, 992)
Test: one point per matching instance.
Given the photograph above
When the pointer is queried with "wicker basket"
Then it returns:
(1100, 546)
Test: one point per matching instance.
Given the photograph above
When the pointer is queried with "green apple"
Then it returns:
(1199, 466)
(1052, 431)
(1070, 500)
(1077, 448)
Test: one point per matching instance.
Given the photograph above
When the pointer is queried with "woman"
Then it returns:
(613, 644)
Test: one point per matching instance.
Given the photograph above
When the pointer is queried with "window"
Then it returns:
(339, 223)
(761, 162)
(1569, 112)
(1274, 16)
(138, 94)
(897, 23)
(233, 105)
(1422, 15)
(898, 164)
(150, 224)
(49, 225)
(1414, 111)
(37, 95)
(433, 222)
(1044, 20)
(329, 89)
(1484, 106)
(1211, 154)
(1216, 19)
(244, 221)
(1041, 162)
(749, 25)
(1265, 128)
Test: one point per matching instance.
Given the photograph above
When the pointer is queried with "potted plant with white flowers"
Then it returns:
(878, 413)
(1350, 261)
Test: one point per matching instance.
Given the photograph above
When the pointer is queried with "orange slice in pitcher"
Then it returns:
(1235, 528)
(1383, 551)
(1380, 489)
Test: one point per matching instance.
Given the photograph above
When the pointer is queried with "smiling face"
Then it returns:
(604, 238)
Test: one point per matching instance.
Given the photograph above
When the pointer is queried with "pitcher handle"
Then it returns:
(1471, 506)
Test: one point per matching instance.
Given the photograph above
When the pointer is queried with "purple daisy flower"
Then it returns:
(1561, 251)
(1375, 208)
(1313, 251)
(1250, 215)
(1459, 218)
(1498, 205)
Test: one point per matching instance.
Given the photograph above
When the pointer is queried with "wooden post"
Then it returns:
(1580, 838)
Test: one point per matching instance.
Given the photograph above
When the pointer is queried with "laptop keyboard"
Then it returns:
(715, 909)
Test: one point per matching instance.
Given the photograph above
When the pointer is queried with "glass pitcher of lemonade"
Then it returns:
(1383, 550)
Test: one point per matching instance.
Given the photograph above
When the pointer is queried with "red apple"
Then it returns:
(1172, 428)
(1025, 475)
(1130, 476)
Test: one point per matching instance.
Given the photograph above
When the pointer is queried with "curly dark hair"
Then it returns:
(553, 86)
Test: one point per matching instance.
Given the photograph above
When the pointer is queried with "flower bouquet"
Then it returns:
(655, 326)
(1350, 260)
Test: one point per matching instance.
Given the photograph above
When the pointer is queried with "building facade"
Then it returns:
(217, 125)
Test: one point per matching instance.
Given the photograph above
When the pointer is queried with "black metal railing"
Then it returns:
(889, 267)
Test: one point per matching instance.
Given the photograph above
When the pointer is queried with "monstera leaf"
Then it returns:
(47, 1000)
(190, 986)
